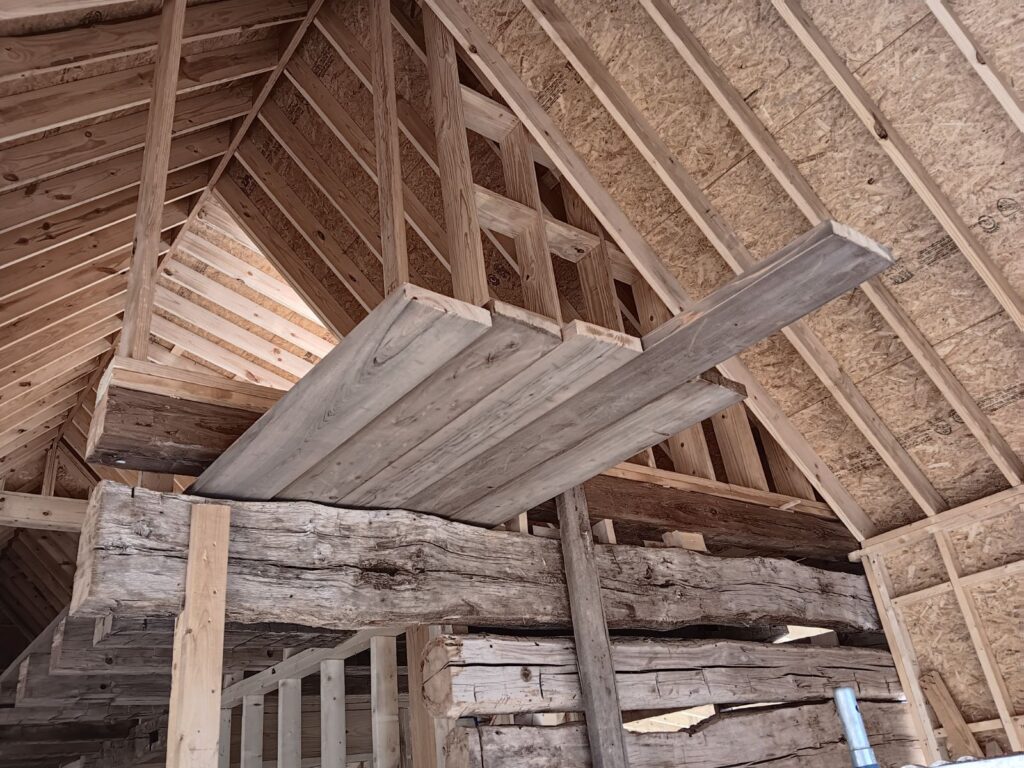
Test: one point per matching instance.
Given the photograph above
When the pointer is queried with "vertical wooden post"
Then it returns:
(739, 451)
(540, 294)
(252, 731)
(333, 744)
(146, 241)
(384, 702)
(465, 250)
(389, 167)
(226, 716)
(594, 268)
(289, 723)
(426, 746)
(193, 722)
(49, 472)
(155, 481)
(593, 648)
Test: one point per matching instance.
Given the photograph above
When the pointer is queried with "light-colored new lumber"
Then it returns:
(590, 631)
(998, 83)
(425, 737)
(347, 390)
(768, 738)
(465, 249)
(427, 570)
(35, 111)
(324, 242)
(251, 755)
(389, 163)
(48, 513)
(515, 340)
(289, 723)
(31, 55)
(193, 721)
(488, 674)
(333, 743)
(902, 156)
(275, 248)
(384, 702)
(960, 742)
(586, 355)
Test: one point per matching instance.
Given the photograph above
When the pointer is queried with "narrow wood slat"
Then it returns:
(408, 337)
(960, 742)
(384, 702)
(333, 744)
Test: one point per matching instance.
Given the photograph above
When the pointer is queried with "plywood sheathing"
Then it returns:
(925, 87)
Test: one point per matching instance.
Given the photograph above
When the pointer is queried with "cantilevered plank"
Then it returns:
(818, 266)
(586, 355)
(159, 419)
(51, 513)
(404, 340)
(593, 648)
(515, 340)
(567, 459)
(490, 674)
(397, 568)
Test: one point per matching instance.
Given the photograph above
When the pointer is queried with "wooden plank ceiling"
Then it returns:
(273, 247)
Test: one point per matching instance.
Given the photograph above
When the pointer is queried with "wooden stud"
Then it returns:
(982, 647)
(536, 274)
(252, 732)
(384, 702)
(739, 451)
(423, 736)
(960, 741)
(389, 170)
(465, 249)
(289, 723)
(50, 472)
(1000, 85)
(788, 480)
(593, 647)
(142, 276)
(333, 741)
(192, 726)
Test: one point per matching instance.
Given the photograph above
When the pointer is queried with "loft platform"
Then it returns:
(437, 405)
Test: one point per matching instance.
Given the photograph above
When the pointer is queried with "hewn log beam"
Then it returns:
(810, 736)
(489, 674)
(385, 567)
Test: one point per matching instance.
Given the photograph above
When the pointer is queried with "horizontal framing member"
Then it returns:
(50, 513)
(371, 573)
(490, 674)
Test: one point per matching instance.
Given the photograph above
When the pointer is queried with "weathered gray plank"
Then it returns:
(403, 341)
(807, 736)
(493, 674)
(593, 648)
(313, 565)
(38, 688)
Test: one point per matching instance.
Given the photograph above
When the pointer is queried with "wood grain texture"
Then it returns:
(386, 568)
(408, 337)
(765, 737)
(491, 674)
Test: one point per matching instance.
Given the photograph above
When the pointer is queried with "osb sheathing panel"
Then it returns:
(990, 543)
(939, 636)
(1001, 611)
(915, 567)
(856, 180)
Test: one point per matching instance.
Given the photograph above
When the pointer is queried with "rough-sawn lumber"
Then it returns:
(492, 674)
(314, 565)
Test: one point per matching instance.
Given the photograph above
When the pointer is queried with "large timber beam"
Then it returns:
(810, 736)
(314, 565)
(490, 674)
